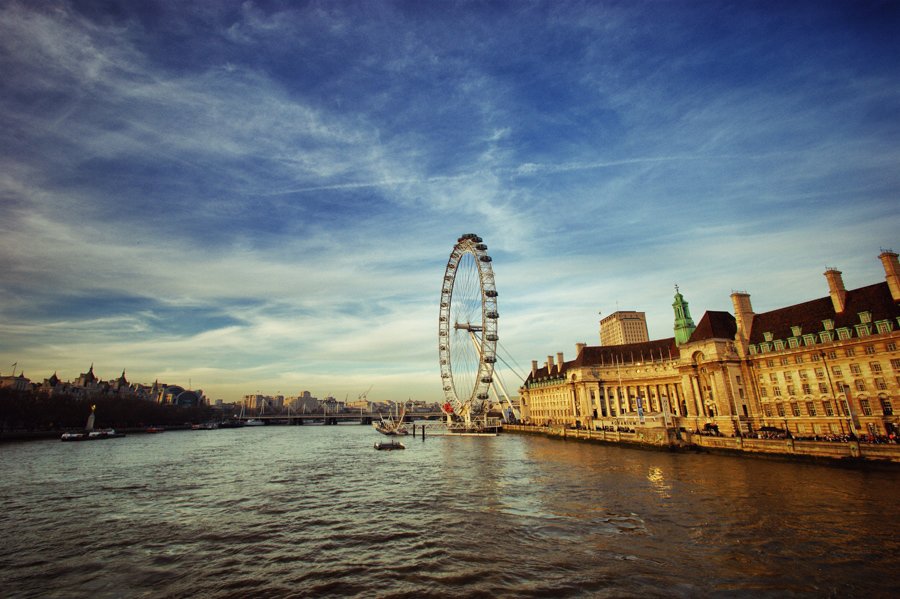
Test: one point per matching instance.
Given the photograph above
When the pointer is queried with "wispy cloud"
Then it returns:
(265, 197)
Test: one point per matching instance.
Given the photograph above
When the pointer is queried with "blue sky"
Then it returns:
(262, 196)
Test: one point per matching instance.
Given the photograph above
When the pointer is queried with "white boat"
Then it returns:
(389, 426)
(254, 422)
(90, 434)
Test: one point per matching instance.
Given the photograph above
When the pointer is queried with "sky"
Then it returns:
(259, 196)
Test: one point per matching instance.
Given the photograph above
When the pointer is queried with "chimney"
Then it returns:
(743, 312)
(549, 364)
(891, 272)
(836, 289)
(559, 362)
(534, 369)
(579, 347)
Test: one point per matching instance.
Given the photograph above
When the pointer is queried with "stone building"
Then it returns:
(622, 327)
(828, 366)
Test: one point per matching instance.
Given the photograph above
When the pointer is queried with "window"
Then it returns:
(820, 373)
(762, 379)
(776, 391)
(832, 355)
(886, 407)
(793, 343)
(806, 389)
(863, 330)
(823, 388)
(843, 333)
(811, 408)
(883, 326)
(770, 362)
(798, 359)
(788, 377)
(773, 377)
(741, 392)
(865, 317)
(825, 336)
(859, 384)
(828, 324)
(784, 361)
(891, 346)
(768, 336)
(737, 378)
(814, 357)
(870, 349)
(791, 390)
(855, 369)
(880, 384)
(795, 331)
(803, 375)
(864, 406)
(875, 367)
(829, 409)
(850, 352)
(845, 407)
(779, 345)
(767, 409)
(780, 408)
(795, 409)
(895, 363)
(836, 371)
(809, 340)
(763, 392)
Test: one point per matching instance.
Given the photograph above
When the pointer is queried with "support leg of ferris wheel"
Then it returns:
(495, 380)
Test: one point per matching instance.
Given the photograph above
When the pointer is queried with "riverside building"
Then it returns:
(622, 327)
(829, 366)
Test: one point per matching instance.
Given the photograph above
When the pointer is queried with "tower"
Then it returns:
(684, 325)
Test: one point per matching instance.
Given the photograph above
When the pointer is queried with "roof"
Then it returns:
(607, 355)
(715, 325)
(809, 315)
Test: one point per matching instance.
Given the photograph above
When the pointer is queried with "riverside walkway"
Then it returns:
(659, 438)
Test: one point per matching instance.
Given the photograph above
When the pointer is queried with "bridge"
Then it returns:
(334, 418)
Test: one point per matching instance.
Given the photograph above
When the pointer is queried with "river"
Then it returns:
(314, 511)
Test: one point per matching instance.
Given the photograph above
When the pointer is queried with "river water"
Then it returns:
(314, 511)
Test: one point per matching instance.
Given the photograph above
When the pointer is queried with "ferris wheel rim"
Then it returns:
(459, 398)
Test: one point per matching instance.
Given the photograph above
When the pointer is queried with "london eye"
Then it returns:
(467, 331)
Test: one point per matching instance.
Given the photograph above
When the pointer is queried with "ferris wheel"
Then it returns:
(467, 329)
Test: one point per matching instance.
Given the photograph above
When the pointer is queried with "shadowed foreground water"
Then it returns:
(315, 511)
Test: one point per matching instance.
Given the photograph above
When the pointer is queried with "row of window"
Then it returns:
(865, 407)
(833, 355)
(858, 384)
(827, 336)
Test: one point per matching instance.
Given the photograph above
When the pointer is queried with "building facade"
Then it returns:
(827, 367)
(623, 327)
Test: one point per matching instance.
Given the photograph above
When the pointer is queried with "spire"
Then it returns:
(684, 325)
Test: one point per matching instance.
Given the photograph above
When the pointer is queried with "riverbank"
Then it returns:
(8, 436)
(663, 439)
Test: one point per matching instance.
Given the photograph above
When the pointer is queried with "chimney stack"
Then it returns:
(891, 272)
(549, 364)
(533, 368)
(559, 361)
(836, 289)
(743, 312)
(579, 347)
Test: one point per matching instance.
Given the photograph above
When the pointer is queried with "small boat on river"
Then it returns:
(254, 422)
(390, 426)
(389, 445)
(89, 434)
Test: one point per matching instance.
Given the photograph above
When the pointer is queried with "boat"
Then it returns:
(89, 434)
(389, 426)
(254, 422)
(389, 445)
(205, 426)
(155, 429)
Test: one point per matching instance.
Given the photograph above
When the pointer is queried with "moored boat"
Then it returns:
(89, 434)
(389, 445)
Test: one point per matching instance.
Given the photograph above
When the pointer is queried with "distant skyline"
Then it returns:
(262, 196)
